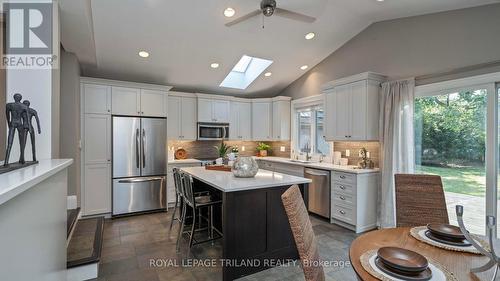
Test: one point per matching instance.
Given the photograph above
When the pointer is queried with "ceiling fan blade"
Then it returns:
(243, 18)
(293, 15)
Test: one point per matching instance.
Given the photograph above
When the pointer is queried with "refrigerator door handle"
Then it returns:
(140, 180)
(143, 148)
(137, 144)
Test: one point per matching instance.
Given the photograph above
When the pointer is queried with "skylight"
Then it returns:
(246, 70)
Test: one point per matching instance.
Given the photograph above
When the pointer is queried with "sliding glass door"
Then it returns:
(450, 141)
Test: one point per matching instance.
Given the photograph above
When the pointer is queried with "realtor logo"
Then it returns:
(29, 36)
(29, 28)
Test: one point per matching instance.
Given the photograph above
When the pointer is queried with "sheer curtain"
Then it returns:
(396, 140)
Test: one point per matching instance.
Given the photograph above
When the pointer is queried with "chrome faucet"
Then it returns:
(307, 149)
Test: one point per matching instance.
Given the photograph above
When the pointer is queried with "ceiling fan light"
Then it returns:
(229, 12)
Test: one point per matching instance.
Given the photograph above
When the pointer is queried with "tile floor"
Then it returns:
(130, 244)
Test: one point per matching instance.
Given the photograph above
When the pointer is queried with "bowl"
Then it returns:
(403, 260)
(446, 231)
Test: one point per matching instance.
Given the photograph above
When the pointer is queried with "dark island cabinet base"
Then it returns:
(256, 231)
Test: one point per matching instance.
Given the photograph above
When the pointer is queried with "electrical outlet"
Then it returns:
(243, 148)
(282, 149)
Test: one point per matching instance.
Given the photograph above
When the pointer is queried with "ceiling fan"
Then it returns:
(268, 8)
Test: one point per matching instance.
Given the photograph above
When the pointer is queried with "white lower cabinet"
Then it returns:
(354, 200)
(97, 189)
(170, 180)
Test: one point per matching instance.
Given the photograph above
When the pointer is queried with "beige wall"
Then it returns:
(414, 46)
(70, 118)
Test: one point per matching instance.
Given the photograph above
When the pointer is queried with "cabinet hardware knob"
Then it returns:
(109, 160)
(342, 212)
(342, 187)
(142, 112)
(342, 177)
(109, 110)
(342, 197)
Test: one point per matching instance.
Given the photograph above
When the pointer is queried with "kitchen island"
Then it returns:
(256, 232)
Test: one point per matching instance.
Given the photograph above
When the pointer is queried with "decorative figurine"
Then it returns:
(28, 127)
(494, 260)
(19, 118)
(366, 162)
(14, 111)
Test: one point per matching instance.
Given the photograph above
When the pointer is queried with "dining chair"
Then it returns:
(303, 234)
(419, 200)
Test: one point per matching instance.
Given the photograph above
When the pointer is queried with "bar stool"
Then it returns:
(178, 194)
(196, 203)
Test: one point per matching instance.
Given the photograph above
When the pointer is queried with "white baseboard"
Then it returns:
(84, 272)
(72, 202)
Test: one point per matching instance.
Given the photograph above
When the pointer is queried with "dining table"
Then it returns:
(458, 263)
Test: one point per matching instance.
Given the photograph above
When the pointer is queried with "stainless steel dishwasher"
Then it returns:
(319, 191)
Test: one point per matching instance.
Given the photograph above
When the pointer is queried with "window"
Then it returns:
(310, 131)
(450, 141)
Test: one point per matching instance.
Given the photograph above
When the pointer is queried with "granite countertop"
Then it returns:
(227, 182)
(15, 182)
(317, 165)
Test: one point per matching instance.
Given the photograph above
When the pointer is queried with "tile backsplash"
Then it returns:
(206, 150)
(354, 147)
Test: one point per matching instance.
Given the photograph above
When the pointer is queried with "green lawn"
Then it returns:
(464, 180)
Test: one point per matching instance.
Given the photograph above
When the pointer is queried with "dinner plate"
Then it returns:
(421, 276)
(445, 240)
(403, 260)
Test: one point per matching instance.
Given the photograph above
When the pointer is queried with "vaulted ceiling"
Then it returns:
(184, 37)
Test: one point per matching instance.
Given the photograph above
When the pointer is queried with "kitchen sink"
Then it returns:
(300, 161)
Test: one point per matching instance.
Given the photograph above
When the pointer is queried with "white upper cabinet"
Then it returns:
(241, 117)
(181, 117)
(262, 120)
(281, 119)
(126, 101)
(153, 103)
(213, 110)
(139, 102)
(352, 108)
(96, 98)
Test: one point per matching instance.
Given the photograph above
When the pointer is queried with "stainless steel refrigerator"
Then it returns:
(139, 164)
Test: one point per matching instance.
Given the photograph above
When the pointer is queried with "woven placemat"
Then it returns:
(377, 273)
(419, 234)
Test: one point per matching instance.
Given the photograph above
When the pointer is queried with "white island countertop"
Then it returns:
(227, 182)
(15, 182)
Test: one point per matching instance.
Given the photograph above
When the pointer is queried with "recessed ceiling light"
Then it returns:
(229, 12)
(214, 65)
(310, 35)
(267, 74)
(380, 0)
(143, 54)
(304, 67)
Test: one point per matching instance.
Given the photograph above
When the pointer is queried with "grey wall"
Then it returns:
(409, 47)
(3, 86)
(70, 119)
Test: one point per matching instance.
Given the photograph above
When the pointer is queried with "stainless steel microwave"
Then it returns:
(213, 131)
